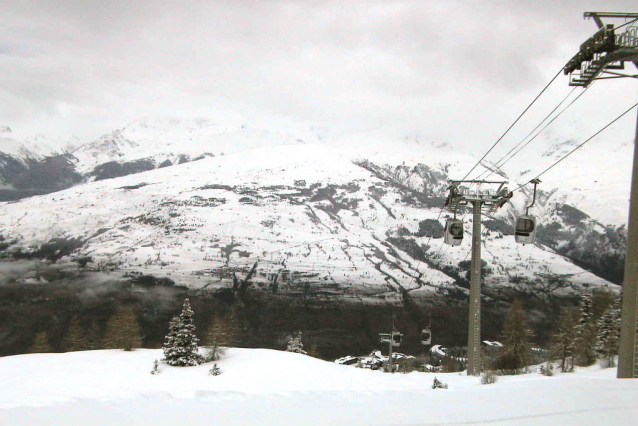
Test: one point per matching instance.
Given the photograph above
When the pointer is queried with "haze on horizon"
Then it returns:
(455, 71)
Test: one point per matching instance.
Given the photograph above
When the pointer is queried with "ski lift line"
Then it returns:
(579, 146)
(541, 131)
(532, 131)
(514, 123)
(499, 164)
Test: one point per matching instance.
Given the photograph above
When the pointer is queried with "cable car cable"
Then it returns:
(530, 133)
(499, 164)
(537, 134)
(579, 146)
(493, 146)
(514, 123)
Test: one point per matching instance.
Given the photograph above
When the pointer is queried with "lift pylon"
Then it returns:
(486, 200)
(601, 57)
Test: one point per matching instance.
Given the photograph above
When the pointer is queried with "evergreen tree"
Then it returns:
(295, 345)
(40, 344)
(76, 338)
(155, 370)
(180, 346)
(516, 352)
(215, 371)
(609, 334)
(586, 333)
(563, 341)
(122, 330)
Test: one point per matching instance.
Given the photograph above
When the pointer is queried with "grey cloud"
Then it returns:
(93, 66)
(10, 271)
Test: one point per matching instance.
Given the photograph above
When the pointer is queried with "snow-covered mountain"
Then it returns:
(289, 216)
(321, 219)
(35, 147)
(34, 165)
(163, 142)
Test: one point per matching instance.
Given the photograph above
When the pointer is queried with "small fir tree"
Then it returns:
(563, 341)
(180, 346)
(516, 352)
(122, 330)
(295, 345)
(215, 371)
(40, 344)
(586, 333)
(437, 384)
(155, 370)
(608, 334)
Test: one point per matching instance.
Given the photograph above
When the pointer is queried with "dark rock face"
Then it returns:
(114, 169)
(589, 244)
(25, 178)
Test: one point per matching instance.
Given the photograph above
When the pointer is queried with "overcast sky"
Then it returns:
(449, 69)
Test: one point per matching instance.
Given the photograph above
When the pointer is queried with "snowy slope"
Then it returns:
(266, 387)
(181, 139)
(34, 147)
(305, 213)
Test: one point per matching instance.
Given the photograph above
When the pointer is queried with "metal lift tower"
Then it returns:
(488, 201)
(600, 57)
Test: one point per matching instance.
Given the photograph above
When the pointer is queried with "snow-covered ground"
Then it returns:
(266, 387)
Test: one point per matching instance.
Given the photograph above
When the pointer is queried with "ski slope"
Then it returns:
(267, 387)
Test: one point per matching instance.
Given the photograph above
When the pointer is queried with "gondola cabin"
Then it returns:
(525, 232)
(453, 232)
(397, 338)
(426, 336)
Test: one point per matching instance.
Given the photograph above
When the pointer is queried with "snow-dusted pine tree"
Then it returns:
(609, 334)
(215, 371)
(180, 346)
(295, 345)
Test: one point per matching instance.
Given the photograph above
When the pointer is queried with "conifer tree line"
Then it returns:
(122, 330)
(584, 334)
